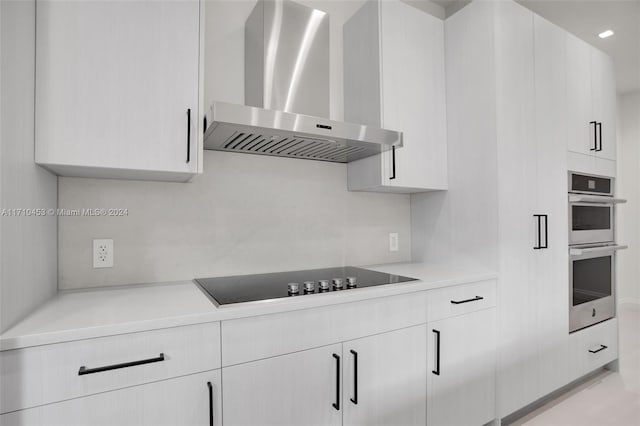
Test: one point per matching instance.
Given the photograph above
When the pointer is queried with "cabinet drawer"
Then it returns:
(593, 347)
(249, 339)
(184, 401)
(451, 301)
(45, 374)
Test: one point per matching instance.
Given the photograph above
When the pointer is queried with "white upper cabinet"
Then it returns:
(117, 88)
(604, 95)
(591, 96)
(394, 78)
(579, 97)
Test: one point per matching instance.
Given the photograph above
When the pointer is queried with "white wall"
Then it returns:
(628, 186)
(245, 214)
(28, 259)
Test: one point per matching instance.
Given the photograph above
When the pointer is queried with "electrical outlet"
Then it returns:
(102, 253)
(393, 241)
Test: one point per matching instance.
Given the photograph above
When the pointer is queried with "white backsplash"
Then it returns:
(245, 214)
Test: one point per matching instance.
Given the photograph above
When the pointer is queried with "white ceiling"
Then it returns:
(586, 19)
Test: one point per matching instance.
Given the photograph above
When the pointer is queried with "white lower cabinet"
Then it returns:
(384, 379)
(192, 400)
(372, 372)
(593, 347)
(288, 390)
(376, 380)
(461, 363)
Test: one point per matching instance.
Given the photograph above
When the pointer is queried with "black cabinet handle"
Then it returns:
(210, 386)
(393, 162)
(355, 377)
(474, 299)
(595, 136)
(188, 135)
(84, 370)
(599, 126)
(437, 370)
(602, 348)
(546, 231)
(336, 404)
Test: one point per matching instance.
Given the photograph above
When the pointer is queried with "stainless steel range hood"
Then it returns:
(287, 94)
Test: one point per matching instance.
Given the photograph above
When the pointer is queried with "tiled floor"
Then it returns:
(608, 399)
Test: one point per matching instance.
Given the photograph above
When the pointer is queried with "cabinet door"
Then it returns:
(579, 97)
(604, 102)
(385, 379)
(192, 400)
(302, 388)
(413, 96)
(551, 276)
(461, 364)
(114, 84)
(517, 183)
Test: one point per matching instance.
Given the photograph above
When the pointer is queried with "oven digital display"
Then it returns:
(592, 184)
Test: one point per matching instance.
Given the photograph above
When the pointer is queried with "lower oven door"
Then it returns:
(592, 285)
(590, 223)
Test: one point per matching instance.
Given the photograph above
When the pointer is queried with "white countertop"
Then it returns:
(91, 313)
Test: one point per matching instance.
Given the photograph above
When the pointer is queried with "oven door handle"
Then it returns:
(595, 199)
(601, 249)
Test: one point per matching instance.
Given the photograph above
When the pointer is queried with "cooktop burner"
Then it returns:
(250, 288)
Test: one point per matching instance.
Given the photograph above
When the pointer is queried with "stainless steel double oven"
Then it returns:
(592, 249)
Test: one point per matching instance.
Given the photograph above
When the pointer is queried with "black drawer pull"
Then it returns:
(188, 135)
(602, 348)
(210, 386)
(436, 371)
(599, 126)
(459, 302)
(336, 404)
(393, 163)
(84, 370)
(595, 136)
(355, 377)
(546, 231)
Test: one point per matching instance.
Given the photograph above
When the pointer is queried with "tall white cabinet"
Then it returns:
(521, 69)
(394, 78)
(118, 88)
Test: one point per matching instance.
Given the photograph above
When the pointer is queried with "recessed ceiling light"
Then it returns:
(605, 34)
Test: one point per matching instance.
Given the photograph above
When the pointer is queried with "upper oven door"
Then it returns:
(590, 223)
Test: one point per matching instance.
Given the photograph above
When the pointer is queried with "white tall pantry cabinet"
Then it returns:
(523, 119)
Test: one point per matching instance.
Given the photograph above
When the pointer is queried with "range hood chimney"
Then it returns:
(287, 94)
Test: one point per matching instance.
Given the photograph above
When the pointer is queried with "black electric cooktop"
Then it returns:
(313, 282)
